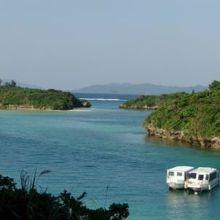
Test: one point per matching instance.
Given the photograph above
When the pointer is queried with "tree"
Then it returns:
(13, 83)
(214, 85)
(27, 203)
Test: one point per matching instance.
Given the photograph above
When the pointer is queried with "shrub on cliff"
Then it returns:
(149, 101)
(197, 114)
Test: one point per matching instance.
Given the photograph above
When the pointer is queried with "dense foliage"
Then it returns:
(15, 97)
(27, 203)
(197, 114)
(149, 101)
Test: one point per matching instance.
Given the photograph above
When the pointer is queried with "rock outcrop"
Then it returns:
(183, 136)
(137, 107)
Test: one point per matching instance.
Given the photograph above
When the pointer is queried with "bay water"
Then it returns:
(105, 152)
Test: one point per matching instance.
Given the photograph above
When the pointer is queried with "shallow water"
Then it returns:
(106, 153)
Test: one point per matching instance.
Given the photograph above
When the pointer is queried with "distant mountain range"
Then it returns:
(136, 89)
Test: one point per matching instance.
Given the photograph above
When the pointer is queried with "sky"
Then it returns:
(68, 44)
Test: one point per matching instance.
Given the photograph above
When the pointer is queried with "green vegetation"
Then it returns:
(27, 203)
(12, 97)
(196, 114)
(149, 101)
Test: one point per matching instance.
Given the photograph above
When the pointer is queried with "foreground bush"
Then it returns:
(27, 203)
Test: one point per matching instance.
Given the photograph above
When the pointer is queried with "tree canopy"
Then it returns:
(27, 203)
(197, 114)
(15, 97)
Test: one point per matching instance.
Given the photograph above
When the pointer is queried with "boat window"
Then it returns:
(207, 177)
(212, 176)
(201, 177)
(179, 174)
(192, 175)
(171, 173)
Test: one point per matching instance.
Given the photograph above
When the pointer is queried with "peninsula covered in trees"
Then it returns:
(18, 98)
(149, 102)
(192, 118)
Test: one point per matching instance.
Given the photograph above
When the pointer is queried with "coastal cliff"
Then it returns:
(23, 99)
(190, 118)
(204, 142)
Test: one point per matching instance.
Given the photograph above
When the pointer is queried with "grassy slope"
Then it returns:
(197, 114)
(37, 98)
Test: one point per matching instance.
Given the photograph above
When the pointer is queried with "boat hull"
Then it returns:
(202, 187)
(174, 185)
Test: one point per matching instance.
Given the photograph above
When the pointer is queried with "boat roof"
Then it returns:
(205, 170)
(181, 168)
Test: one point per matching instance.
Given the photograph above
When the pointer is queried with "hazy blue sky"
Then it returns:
(69, 44)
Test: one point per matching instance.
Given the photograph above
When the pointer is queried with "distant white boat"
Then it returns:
(177, 176)
(202, 178)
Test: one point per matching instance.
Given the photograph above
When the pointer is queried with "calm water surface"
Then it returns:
(104, 151)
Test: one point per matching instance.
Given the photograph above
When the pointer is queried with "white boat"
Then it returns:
(176, 176)
(202, 178)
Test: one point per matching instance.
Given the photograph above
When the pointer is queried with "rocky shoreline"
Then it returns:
(27, 108)
(203, 142)
(22, 108)
(137, 107)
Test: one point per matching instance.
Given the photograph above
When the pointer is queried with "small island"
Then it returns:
(149, 102)
(190, 118)
(18, 98)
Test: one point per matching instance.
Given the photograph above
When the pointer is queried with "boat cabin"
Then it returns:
(202, 178)
(176, 176)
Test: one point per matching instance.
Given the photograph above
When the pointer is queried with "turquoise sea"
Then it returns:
(105, 152)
